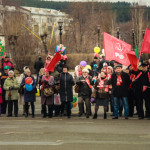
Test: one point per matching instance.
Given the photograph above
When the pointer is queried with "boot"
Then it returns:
(95, 116)
(32, 111)
(105, 116)
(24, 112)
(50, 111)
(80, 105)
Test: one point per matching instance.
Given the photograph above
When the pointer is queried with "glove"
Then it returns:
(11, 87)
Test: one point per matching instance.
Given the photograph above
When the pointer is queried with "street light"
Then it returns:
(43, 38)
(133, 39)
(60, 23)
(118, 30)
(98, 33)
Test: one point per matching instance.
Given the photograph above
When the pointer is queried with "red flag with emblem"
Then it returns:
(116, 49)
(54, 61)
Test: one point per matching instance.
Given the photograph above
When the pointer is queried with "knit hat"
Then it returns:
(27, 71)
(10, 72)
(6, 68)
(85, 70)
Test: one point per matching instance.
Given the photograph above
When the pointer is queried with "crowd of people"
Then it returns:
(105, 84)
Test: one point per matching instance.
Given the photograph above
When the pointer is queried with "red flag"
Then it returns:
(54, 61)
(146, 42)
(116, 49)
(133, 60)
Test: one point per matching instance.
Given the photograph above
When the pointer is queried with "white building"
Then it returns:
(44, 19)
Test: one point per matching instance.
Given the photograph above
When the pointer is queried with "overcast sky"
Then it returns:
(143, 2)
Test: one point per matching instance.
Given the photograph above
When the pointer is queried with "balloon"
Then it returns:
(88, 67)
(92, 99)
(28, 87)
(95, 66)
(74, 104)
(83, 63)
(28, 80)
(97, 49)
(95, 54)
(38, 92)
(74, 99)
(60, 48)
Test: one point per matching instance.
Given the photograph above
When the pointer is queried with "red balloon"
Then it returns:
(28, 80)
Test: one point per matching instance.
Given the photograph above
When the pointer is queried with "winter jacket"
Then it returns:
(11, 94)
(66, 84)
(38, 65)
(122, 90)
(29, 96)
(85, 91)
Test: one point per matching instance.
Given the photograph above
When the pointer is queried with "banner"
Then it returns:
(146, 42)
(133, 60)
(55, 60)
(116, 49)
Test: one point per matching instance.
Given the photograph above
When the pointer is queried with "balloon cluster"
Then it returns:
(84, 64)
(73, 104)
(28, 84)
(61, 49)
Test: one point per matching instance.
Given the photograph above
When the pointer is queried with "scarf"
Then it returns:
(101, 85)
(47, 78)
(108, 76)
(88, 81)
(119, 80)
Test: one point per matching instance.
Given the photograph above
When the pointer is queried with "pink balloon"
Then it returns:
(95, 54)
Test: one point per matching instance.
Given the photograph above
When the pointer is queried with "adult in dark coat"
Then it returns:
(84, 81)
(29, 96)
(120, 83)
(66, 90)
(142, 84)
(37, 66)
(3, 78)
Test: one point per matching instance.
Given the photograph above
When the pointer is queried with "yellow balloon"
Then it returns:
(88, 67)
(38, 92)
(97, 49)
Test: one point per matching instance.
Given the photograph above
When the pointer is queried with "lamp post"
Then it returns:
(60, 23)
(98, 33)
(43, 38)
(133, 39)
(118, 32)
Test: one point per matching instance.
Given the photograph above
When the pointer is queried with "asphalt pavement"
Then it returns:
(61, 133)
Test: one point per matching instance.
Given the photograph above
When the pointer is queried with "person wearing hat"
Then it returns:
(3, 78)
(142, 86)
(120, 84)
(11, 85)
(84, 81)
(29, 94)
(37, 66)
(21, 89)
(7, 62)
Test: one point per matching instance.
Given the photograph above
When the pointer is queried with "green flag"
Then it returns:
(137, 52)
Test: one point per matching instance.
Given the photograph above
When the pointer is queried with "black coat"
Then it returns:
(66, 90)
(29, 96)
(38, 65)
(84, 91)
(122, 90)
